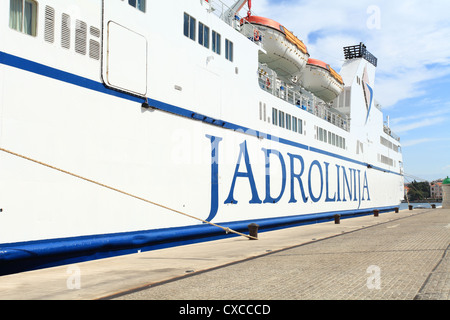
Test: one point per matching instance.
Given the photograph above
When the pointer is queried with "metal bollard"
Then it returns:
(337, 219)
(253, 230)
(396, 210)
(410, 207)
(376, 213)
(433, 206)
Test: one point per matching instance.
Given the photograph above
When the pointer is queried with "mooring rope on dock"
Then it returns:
(412, 186)
(227, 230)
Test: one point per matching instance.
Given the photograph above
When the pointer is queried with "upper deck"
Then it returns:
(268, 79)
(127, 52)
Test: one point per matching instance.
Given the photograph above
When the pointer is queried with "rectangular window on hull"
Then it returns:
(274, 116)
(23, 16)
(281, 119)
(189, 26)
(288, 121)
(203, 35)
(228, 50)
(138, 4)
(216, 42)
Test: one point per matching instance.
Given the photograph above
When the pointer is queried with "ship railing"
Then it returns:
(301, 98)
(220, 9)
(389, 132)
(298, 97)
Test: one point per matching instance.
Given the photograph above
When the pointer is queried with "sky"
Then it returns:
(411, 39)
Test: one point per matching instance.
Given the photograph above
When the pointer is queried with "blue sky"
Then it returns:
(411, 39)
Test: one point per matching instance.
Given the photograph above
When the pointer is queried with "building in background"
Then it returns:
(436, 189)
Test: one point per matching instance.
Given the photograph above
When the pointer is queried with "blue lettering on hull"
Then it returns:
(306, 182)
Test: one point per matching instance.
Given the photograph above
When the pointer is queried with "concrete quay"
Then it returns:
(395, 256)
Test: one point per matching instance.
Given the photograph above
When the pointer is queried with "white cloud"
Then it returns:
(412, 45)
(412, 42)
(434, 114)
(418, 124)
(415, 142)
(430, 112)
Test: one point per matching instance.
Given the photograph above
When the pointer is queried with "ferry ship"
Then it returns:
(132, 125)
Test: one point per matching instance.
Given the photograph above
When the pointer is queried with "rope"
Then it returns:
(412, 186)
(227, 230)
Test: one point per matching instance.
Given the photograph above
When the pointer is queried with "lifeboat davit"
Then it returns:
(320, 79)
(285, 53)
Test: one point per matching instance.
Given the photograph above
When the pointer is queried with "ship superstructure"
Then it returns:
(207, 116)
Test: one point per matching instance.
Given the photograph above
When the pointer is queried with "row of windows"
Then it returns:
(330, 138)
(204, 34)
(23, 18)
(389, 144)
(287, 121)
(23, 14)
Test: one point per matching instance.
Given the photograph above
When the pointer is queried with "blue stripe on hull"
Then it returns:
(43, 70)
(25, 256)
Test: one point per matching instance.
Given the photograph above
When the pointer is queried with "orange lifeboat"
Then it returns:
(285, 53)
(322, 80)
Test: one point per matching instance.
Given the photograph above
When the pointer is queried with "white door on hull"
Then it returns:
(126, 65)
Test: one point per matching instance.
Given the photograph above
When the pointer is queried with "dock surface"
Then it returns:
(395, 256)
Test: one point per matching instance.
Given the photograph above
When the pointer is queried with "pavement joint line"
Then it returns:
(276, 251)
(419, 293)
(158, 271)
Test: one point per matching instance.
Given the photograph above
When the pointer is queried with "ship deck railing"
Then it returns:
(389, 132)
(298, 97)
(221, 9)
(301, 98)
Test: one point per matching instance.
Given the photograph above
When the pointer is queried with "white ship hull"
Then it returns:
(231, 166)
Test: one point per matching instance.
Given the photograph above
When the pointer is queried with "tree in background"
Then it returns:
(418, 190)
